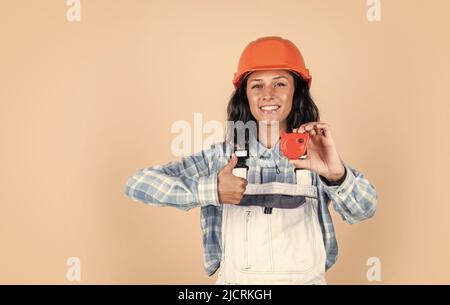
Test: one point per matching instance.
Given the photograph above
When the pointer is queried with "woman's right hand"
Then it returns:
(230, 188)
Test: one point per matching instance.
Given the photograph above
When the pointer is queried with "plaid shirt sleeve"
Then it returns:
(183, 184)
(355, 199)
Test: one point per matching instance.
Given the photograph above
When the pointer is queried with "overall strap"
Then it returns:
(303, 176)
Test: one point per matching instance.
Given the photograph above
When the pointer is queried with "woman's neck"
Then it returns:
(268, 135)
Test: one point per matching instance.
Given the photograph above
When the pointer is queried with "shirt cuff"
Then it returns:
(344, 188)
(334, 183)
(207, 190)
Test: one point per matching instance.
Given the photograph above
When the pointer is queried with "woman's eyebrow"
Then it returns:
(277, 77)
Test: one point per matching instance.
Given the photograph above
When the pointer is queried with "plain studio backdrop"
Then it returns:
(85, 104)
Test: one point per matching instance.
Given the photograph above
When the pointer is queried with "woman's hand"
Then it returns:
(230, 188)
(322, 156)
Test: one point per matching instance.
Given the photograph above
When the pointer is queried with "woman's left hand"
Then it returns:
(322, 156)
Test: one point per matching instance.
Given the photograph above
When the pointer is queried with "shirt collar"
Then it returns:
(257, 149)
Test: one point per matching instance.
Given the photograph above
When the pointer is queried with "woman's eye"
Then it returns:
(278, 84)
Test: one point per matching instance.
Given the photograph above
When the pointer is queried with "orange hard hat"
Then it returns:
(271, 53)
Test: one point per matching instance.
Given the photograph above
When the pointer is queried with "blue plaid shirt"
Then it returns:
(192, 182)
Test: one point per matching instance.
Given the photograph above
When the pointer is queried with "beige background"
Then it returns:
(83, 105)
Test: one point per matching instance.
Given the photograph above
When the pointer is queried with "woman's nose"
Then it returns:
(267, 92)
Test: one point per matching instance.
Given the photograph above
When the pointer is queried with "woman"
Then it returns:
(272, 225)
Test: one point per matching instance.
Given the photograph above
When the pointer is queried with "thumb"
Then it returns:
(233, 161)
(301, 163)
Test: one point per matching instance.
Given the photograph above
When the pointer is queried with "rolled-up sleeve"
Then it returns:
(355, 199)
(183, 184)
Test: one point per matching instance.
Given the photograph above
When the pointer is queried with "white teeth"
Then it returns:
(268, 108)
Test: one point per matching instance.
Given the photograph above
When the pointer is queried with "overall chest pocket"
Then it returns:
(281, 242)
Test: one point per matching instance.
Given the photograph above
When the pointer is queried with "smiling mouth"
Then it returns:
(269, 108)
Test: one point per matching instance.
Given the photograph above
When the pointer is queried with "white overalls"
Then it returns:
(284, 247)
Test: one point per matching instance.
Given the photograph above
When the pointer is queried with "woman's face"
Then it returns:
(270, 94)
